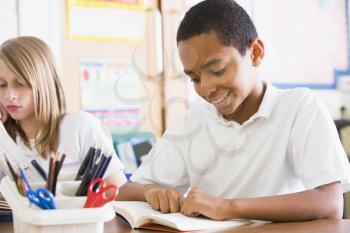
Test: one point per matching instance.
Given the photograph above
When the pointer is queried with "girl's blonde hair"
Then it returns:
(31, 61)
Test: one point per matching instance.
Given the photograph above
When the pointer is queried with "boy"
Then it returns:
(249, 150)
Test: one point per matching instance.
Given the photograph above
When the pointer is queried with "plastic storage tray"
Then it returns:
(69, 217)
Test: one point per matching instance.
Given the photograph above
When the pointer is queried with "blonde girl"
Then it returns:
(33, 109)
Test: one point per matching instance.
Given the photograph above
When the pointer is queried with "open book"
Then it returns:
(141, 215)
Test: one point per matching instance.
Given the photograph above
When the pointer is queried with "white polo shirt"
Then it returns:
(78, 132)
(290, 144)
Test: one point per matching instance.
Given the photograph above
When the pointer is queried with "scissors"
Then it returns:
(42, 198)
(97, 197)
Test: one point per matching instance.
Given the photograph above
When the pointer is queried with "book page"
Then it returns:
(133, 210)
(142, 213)
(184, 223)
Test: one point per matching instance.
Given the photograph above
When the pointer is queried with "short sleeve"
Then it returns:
(164, 165)
(317, 154)
(92, 132)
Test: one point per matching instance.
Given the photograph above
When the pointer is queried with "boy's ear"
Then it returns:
(257, 52)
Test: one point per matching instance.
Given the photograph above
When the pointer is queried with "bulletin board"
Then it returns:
(105, 20)
(110, 90)
(86, 59)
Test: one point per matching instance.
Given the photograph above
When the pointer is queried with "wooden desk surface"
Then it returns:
(319, 226)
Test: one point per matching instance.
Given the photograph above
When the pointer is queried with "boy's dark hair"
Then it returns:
(230, 21)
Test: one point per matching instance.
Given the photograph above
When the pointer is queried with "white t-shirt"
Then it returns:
(290, 144)
(78, 132)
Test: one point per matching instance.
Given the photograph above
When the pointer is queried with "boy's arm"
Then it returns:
(325, 201)
(322, 202)
(132, 191)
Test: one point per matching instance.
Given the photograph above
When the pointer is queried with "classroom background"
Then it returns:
(118, 59)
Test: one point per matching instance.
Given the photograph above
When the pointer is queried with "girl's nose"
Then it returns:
(11, 95)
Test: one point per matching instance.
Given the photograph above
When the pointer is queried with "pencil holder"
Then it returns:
(67, 189)
(67, 176)
(69, 217)
(64, 189)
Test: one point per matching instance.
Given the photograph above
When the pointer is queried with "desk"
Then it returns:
(319, 226)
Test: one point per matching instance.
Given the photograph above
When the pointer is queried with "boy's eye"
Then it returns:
(194, 78)
(219, 72)
(2, 85)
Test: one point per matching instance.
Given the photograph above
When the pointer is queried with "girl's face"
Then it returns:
(16, 98)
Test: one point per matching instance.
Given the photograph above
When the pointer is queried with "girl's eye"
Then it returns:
(19, 84)
(2, 85)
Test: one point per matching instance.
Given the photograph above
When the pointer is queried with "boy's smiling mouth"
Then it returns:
(220, 100)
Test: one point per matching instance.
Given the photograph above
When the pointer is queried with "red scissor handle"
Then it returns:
(98, 197)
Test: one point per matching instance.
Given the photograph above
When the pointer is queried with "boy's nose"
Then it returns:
(208, 89)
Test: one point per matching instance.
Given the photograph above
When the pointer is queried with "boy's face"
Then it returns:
(220, 74)
(15, 98)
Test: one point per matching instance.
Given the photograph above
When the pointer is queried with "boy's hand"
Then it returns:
(199, 202)
(3, 114)
(164, 200)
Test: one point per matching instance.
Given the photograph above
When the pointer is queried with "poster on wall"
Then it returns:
(110, 90)
(106, 20)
